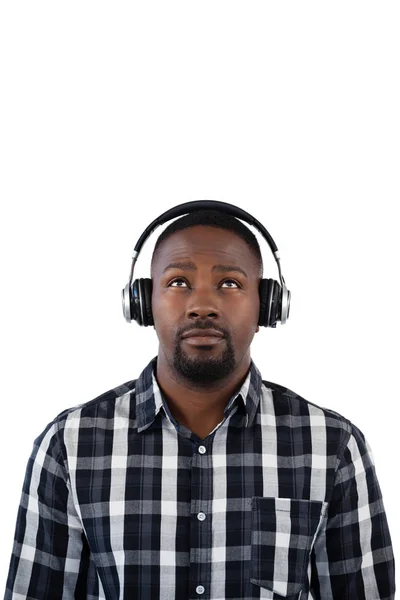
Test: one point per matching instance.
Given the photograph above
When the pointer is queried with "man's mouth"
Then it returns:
(203, 337)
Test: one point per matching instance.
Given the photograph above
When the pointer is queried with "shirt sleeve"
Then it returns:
(353, 559)
(50, 554)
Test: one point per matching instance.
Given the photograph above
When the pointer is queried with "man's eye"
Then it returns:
(177, 281)
(231, 281)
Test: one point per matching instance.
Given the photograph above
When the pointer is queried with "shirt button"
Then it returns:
(200, 589)
(201, 516)
(202, 450)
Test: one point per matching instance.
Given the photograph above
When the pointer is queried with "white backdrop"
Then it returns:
(111, 113)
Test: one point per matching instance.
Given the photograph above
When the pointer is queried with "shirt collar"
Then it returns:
(149, 397)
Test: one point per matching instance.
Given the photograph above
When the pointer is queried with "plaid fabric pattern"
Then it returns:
(280, 500)
(283, 531)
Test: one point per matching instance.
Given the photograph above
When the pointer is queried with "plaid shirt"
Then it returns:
(281, 499)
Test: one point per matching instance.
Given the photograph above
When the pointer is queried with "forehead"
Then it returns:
(203, 244)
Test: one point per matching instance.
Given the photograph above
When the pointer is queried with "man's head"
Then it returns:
(206, 268)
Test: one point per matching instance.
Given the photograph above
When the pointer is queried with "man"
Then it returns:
(199, 479)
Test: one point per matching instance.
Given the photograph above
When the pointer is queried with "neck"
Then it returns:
(200, 408)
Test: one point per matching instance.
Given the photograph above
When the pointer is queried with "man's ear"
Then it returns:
(258, 329)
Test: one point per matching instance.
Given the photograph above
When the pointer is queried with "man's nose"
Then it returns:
(202, 304)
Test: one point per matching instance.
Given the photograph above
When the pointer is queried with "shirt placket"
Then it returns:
(201, 521)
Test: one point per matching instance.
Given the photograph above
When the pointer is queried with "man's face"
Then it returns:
(205, 278)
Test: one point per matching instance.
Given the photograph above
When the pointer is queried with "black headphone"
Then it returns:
(274, 298)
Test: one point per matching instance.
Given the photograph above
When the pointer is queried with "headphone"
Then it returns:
(274, 297)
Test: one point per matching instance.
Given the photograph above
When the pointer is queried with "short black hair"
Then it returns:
(212, 218)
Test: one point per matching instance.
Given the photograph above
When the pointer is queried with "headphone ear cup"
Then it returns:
(276, 304)
(263, 293)
(269, 291)
(136, 313)
(147, 288)
(141, 302)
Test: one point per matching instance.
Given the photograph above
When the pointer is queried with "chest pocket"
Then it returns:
(283, 531)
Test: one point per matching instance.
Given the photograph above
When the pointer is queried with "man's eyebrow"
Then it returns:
(190, 266)
(226, 268)
(185, 266)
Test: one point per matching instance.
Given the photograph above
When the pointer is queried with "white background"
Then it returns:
(111, 113)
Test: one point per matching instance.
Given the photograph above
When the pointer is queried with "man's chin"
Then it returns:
(203, 369)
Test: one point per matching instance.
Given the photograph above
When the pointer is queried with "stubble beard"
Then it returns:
(204, 368)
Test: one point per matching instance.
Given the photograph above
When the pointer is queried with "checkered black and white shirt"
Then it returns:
(280, 500)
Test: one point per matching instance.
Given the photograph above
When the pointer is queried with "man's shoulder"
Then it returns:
(90, 407)
(293, 403)
(96, 408)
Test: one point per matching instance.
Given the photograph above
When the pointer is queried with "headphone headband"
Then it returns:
(189, 207)
(195, 205)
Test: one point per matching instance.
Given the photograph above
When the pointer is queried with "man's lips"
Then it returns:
(203, 337)
(207, 333)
